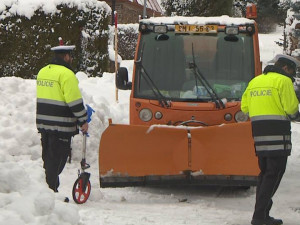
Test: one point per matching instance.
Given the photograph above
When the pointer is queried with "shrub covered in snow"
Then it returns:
(128, 35)
(28, 29)
(127, 39)
(291, 31)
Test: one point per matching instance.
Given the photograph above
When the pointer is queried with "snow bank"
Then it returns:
(25, 196)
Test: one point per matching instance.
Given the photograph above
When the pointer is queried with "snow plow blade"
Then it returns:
(131, 155)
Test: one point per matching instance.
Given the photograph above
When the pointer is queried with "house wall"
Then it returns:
(129, 12)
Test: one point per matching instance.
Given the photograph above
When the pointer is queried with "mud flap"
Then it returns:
(132, 155)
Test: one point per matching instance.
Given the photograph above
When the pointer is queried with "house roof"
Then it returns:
(151, 4)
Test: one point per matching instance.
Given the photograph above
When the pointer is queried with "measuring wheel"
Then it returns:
(82, 188)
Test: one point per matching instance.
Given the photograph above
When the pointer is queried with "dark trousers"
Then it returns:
(272, 170)
(55, 154)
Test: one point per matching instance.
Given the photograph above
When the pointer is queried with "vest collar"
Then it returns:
(275, 69)
(61, 62)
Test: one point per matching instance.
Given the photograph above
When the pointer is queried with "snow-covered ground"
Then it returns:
(26, 199)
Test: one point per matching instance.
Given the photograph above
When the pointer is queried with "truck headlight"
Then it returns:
(145, 115)
(231, 30)
(160, 29)
(240, 117)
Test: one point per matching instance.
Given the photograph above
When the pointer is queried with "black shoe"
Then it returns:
(268, 221)
(275, 221)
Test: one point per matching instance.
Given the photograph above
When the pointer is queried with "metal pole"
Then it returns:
(145, 9)
(113, 7)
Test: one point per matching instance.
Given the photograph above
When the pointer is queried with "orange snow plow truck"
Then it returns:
(186, 125)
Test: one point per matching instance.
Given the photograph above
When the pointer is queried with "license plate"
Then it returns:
(196, 28)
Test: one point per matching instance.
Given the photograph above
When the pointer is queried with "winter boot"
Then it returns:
(268, 221)
(276, 221)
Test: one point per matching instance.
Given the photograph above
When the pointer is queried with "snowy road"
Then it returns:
(185, 205)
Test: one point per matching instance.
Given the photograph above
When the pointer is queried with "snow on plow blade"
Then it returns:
(131, 155)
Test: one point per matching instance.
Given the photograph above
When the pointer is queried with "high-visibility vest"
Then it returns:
(271, 102)
(59, 102)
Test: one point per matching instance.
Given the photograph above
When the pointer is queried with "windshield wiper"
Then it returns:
(160, 97)
(205, 83)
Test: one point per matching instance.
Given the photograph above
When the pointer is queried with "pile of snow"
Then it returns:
(25, 197)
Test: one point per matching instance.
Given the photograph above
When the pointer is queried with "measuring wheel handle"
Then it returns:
(84, 165)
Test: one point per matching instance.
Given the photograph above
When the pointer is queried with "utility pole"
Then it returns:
(116, 51)
(145, 9)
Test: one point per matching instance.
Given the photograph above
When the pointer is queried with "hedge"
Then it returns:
(127, 39)
(25, 43)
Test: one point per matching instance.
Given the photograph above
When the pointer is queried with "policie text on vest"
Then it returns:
(266, 92)
(44, 83)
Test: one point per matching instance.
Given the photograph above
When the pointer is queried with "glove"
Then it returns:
(89, 112)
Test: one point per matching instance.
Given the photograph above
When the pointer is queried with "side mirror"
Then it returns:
(122, 79)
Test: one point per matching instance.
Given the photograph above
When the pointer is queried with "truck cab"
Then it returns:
(192, 69)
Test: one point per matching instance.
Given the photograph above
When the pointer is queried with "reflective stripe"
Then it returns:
(82, 119)
(56, 118)
(52, 102)
(272, 138)
(77, 102)
(294, 116)
(268, 117)
(56, 128)
(273, 147)
(80, 114)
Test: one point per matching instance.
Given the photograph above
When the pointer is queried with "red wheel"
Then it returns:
(81, 193)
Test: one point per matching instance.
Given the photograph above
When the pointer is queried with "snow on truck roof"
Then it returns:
(221, 20)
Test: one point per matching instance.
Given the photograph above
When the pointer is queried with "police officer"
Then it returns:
(271, 102)
(59, 112)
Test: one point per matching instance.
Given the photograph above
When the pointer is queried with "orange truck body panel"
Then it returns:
(251, 11)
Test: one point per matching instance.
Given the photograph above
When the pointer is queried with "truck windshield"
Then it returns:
(227, 64)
